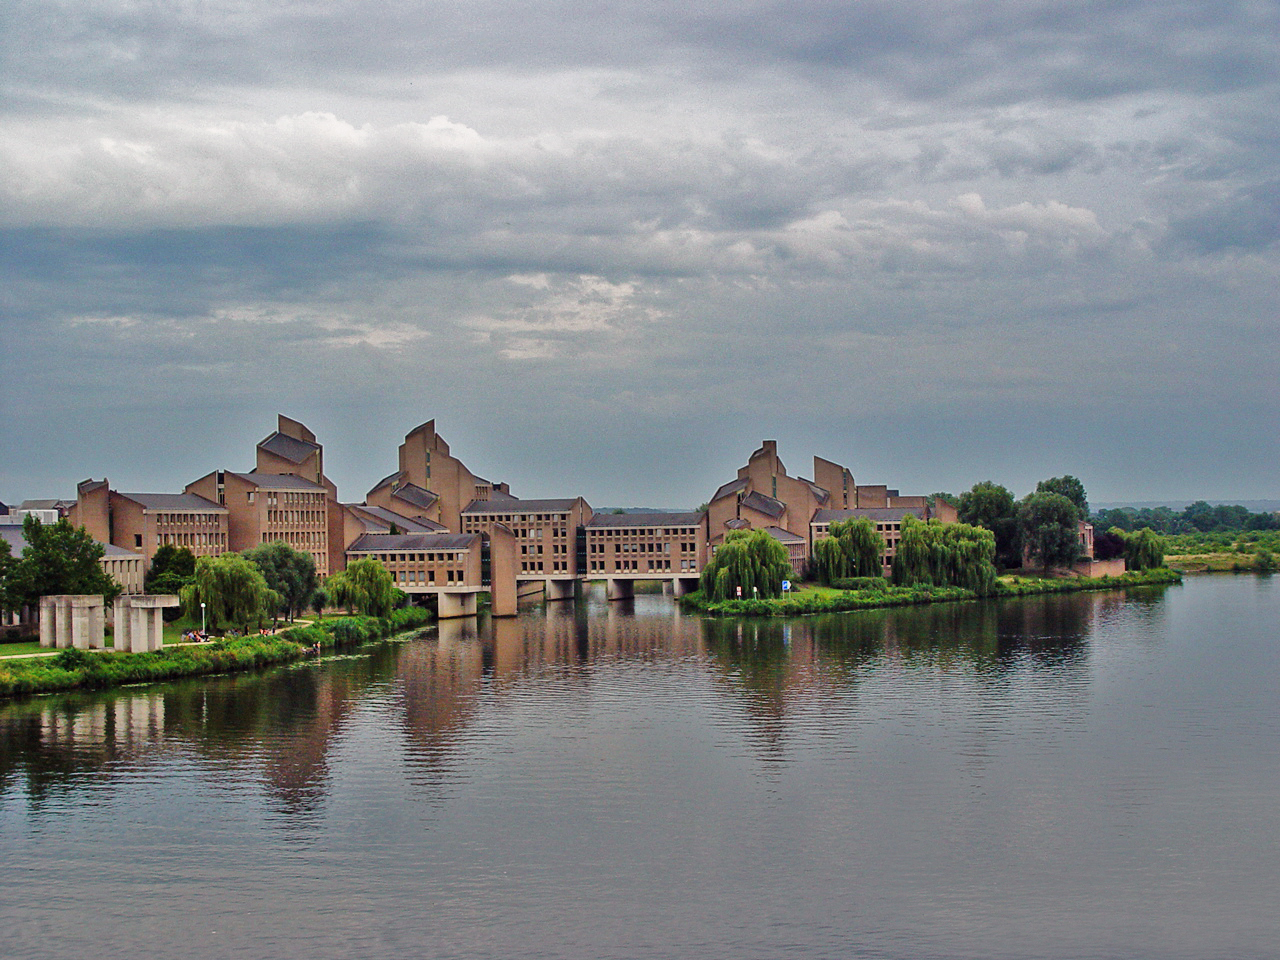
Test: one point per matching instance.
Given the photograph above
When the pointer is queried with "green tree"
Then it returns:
(1069, 487)
(853, 549)
(1049, 523)
(59, 559)
(172, 570)
(319, 600)
(945, 554)
(9, 599)
(233, 590)
(289, 572)
(752, 560)
(1143, 549)
(365, 586)
(992, 507)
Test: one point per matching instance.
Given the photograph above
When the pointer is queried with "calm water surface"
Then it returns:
(1085, 776)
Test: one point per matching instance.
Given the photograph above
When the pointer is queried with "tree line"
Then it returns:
(1199, 517)
(269, 582)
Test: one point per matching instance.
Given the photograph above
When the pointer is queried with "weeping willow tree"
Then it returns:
(945, 554)
(233, 591)
(1143, 549)
(365, 586)
(752, 560)
(852, 550)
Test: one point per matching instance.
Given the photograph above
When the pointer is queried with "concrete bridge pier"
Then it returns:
(619, 589)
(682, 585)
(560, 589)
(456, 605)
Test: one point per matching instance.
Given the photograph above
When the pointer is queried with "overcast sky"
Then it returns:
(610, 247)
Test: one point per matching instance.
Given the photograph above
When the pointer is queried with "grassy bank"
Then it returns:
(827, 600)
(72, 669)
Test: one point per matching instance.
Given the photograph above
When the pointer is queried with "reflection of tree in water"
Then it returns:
(755, 663)
(1047, 631)
(278, 725)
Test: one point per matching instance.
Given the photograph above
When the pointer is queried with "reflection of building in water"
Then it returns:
(437, 686)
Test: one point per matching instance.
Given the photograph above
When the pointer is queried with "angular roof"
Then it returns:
(289, 448)
(46, 504)
(382, 517)
(519, 506)
(386, 542)
(645, 520)
(821, 494)
(871, 513)
(387, 480)
(733, 486)
(13, 534)
(785, 536)
(760, 503)
(737, 523)
(416, 496)
(181, 502)
(277, 481)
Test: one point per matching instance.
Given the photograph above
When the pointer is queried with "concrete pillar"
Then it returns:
(139, 622)
(61, 623)
(684, 585)
(48, 622)
(617, 589)
(456, 605)
(123, 616)
(560, 589)
(85, 615)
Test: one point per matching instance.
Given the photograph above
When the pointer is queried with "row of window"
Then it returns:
(517, 518)
(614, 533)
(444, 556)
(192, 540)
(427, 578)
(295, 516)
(187, 519)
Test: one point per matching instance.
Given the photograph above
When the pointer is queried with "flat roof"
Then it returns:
(871, 513)
(277, 481)
(520, 506)
(386, 542)
(644, 520)
(185, 502)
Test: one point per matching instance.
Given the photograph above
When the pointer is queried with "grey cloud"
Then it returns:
(1248, 219)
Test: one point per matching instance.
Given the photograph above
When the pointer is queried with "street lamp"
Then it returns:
(202, 618)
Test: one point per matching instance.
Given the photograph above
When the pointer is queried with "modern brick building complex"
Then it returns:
(144, 522)
(263, 507)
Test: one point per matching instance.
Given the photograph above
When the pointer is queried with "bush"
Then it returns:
(860, 583)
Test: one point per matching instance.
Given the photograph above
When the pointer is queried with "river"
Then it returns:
(1093, 775)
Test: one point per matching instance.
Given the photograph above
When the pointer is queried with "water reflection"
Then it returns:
(279, 728)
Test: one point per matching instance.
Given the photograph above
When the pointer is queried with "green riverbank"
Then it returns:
(84, 669)
(825, 600)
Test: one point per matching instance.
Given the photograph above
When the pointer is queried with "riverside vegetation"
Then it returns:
(72, 669)
(875, 592)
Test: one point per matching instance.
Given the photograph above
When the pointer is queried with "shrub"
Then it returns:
(860, 583)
